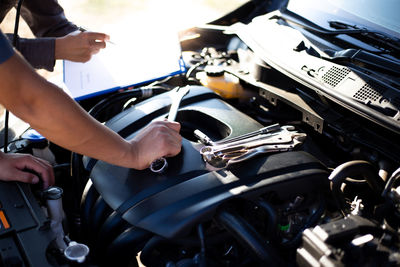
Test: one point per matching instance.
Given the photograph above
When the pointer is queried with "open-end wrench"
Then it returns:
(203, 138)
(176, 95)
(222, 155)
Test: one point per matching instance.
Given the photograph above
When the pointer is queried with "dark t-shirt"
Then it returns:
(6, 51)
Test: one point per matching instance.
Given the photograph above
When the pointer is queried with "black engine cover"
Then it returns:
(187, 193)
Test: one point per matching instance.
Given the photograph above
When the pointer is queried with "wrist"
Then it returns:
(130, 157)
(58, 49)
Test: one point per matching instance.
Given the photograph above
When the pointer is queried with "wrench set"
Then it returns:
(223, 153)
(273, 138)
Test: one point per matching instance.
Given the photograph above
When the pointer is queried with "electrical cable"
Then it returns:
(14, 43)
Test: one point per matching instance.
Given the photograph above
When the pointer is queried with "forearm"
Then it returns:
(55, 115)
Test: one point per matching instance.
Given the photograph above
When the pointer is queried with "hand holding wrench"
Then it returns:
(159, 165)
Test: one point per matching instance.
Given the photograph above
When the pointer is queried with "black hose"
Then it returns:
(126, 246)
(200, 232)
(351, 169)
(391, 182)
(123, 96)
(272, 220)
(98, 215)
(88, 200)
(146, 255)
(113, 226)
(247, 235)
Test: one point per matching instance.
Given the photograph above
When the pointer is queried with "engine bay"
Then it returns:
(331, 199)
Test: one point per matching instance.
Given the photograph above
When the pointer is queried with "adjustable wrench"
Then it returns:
(176, 95)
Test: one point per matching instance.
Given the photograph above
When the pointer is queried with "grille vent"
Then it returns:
(335, 75)
(369, 91)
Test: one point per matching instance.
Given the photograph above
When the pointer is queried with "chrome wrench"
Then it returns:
(176, 94)
(222, 155)
(203, 138)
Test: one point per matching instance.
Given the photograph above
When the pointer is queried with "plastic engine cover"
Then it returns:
(171, 203)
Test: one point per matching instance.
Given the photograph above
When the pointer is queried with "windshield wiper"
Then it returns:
(304, 23)
(378, 37)
(343, 28)
(354, 56)
(364, 59)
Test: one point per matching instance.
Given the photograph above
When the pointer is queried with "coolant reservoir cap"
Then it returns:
(33, 136)
(76, 252)
(214, 71)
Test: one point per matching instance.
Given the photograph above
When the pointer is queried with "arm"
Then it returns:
(55, 115)
(58, 37)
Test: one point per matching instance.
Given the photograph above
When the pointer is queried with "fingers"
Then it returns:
(79, 47)
(173, 125)
(168, 136)
(26, 177)
(38, 166)
(170, 141)
(97, 41)
(158, 139)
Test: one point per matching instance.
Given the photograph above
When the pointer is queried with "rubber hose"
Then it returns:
(121, 251)
(392, 180)
(351, 169)
(123, 96)
(113, 226)
(272, 220)
(146, 256)
(98, 215)
(89, 198)
(202, 260)
(246, 234)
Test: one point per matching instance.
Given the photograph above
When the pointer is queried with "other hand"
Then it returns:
(13, 168)
(80, 46)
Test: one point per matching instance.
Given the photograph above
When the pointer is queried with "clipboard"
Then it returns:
(138, 57)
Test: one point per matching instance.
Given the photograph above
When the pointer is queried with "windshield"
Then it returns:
(379, 15)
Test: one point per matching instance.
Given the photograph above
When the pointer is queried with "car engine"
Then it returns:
(329, 196)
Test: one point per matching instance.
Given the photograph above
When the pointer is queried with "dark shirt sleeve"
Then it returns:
(6, 50)
(47, 20)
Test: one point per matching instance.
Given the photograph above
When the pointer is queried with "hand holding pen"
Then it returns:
(79, 46)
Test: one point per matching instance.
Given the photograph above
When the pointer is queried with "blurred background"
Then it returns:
(117, 16)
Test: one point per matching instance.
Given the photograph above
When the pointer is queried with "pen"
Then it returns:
(110, 42)
(80, 28)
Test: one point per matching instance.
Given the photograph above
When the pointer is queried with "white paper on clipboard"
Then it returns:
(136, 57)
